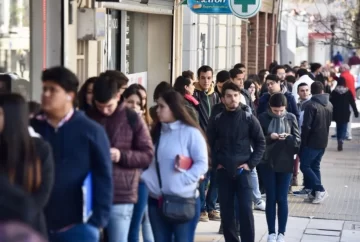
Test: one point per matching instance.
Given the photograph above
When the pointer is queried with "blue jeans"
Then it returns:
(138, 215)
(341, 131)
(208, 203)
(276, 187)
(80, 232)
(255, 186)
(310, 166)
(119, 223)
(165, 231)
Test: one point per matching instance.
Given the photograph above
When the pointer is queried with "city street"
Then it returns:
(337, 219)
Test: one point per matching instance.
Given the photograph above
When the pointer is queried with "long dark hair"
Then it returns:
(144, 108)
(83, 105)
(18, 157)
(180, 84)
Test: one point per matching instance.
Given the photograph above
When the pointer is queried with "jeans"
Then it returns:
(208, 203)
(168, 232)
(310, 167)
(276, 186)
(80, 232)
(255, 186)
(241, 187)
(119, 223)
(341, 131)
(137, 218)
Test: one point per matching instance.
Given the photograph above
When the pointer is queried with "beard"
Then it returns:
(232, 106)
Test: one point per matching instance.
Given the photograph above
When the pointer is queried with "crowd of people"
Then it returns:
(99, 164)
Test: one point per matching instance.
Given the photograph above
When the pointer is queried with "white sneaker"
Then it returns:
(310, 198)
(271, 238)
(320, 197)
(280, 238)
(261, 205)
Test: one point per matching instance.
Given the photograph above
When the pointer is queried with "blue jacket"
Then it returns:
(79, 146)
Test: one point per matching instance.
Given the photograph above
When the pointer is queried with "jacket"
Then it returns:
(19, 205)
(206, 101)
(350, 82)
(192, 105)
(135, 147)
(231, 136)
(341, 99)
(248, 100)
(291, 107)
(316, 123)
(279, 154)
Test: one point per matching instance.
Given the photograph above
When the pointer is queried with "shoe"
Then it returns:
(280, 238)
(340, 146)
(294, 181)
(204, 217)
(349, 138)
(271, 238)
(320, 197)
(309, 199)
(261, 205)
(333, 136)
(214, 215)
(302, 193)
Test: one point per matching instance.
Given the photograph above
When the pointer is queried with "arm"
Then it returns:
(198, 153)
(353, 104)
(294, 136)
(211, 137)
(101, 168)
(262, 106)
(294, 108)
(309, 114)
(141, 152)
(258, 141)
(264, 126)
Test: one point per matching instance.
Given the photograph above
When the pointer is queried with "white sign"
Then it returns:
(245, 8)
(139, 78)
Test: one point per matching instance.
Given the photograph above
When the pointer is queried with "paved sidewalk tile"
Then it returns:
(328, 225)
(323, 232)
(319, 238)
(350, 236)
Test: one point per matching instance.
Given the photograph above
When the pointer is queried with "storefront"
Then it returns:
(139, 40)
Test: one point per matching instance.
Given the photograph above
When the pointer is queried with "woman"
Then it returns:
(282, 142)
(142, 91)
(176, 135)
(341, 99)
(253, 90)
(159, 89)
(133, 99)
(26, 166)
(85, 94)
(185, 87)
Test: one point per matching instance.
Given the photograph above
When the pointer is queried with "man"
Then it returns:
(315, 70)
(207, 98)
(303, 77)
(314, 140)
(241, 67)
(274, 86)
(80, 148)
(221, 78)
(304, 65)
(354, 60)
(131, 150)
(280, 71)
(234, 162)
(350, 83)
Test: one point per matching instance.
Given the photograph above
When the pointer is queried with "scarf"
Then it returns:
(191, 99)
(278, 124)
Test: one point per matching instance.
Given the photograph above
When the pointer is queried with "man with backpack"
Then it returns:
(131, 150)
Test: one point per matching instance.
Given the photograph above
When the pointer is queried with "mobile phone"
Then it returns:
(239, 171)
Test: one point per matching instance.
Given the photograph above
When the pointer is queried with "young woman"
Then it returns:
(159, 89)
(185, 86)
(85, 94)
(134, 99)
(178, 140)
(142, 91)
(341, 99)
(26, 165)
(252, 88)
(282, 142)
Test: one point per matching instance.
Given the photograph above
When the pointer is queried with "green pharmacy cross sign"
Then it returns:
(245, 4)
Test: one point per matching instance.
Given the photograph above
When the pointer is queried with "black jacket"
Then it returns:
(279, 154)
(341, 98)
(248, 100)
(19, 205)
(231, 134)
(316, 123)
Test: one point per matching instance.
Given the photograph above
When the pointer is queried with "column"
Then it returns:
(263, 33)
(253, 31)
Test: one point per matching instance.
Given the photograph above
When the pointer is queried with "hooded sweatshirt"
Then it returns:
(341, 98)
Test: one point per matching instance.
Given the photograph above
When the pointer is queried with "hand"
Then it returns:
(219, 167)
(202, 177)
(274, 136)
(283, 136)
(115, 155)
(356, 115)
(245, 166)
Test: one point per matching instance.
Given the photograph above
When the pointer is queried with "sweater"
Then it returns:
(79, 146)
(177, 139)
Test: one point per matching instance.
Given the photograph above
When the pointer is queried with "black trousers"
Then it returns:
(241, 186)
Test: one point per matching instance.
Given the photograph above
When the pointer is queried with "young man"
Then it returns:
(221, 78)
(314, 140)
(234, 162)
(131, 150)
(274, 86)
(80, 148)
(302, 77)
(241, 67)
(315, 69)
(207, 98)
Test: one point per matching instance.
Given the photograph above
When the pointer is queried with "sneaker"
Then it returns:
(349, 138)
(204, 217)
(340, 146)
(271, 238)
(261, 205)
(309, 199)
(214, 215)
(280, 238)
(320, 197)
(302, 193)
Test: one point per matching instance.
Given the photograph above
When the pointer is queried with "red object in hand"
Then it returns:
(183, 163)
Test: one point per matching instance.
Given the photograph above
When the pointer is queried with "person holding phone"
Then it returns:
(282, 142)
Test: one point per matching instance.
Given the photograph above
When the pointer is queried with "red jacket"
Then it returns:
(136, 151)
(349, 81)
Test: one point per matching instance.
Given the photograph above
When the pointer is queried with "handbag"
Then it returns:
(173, 208)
